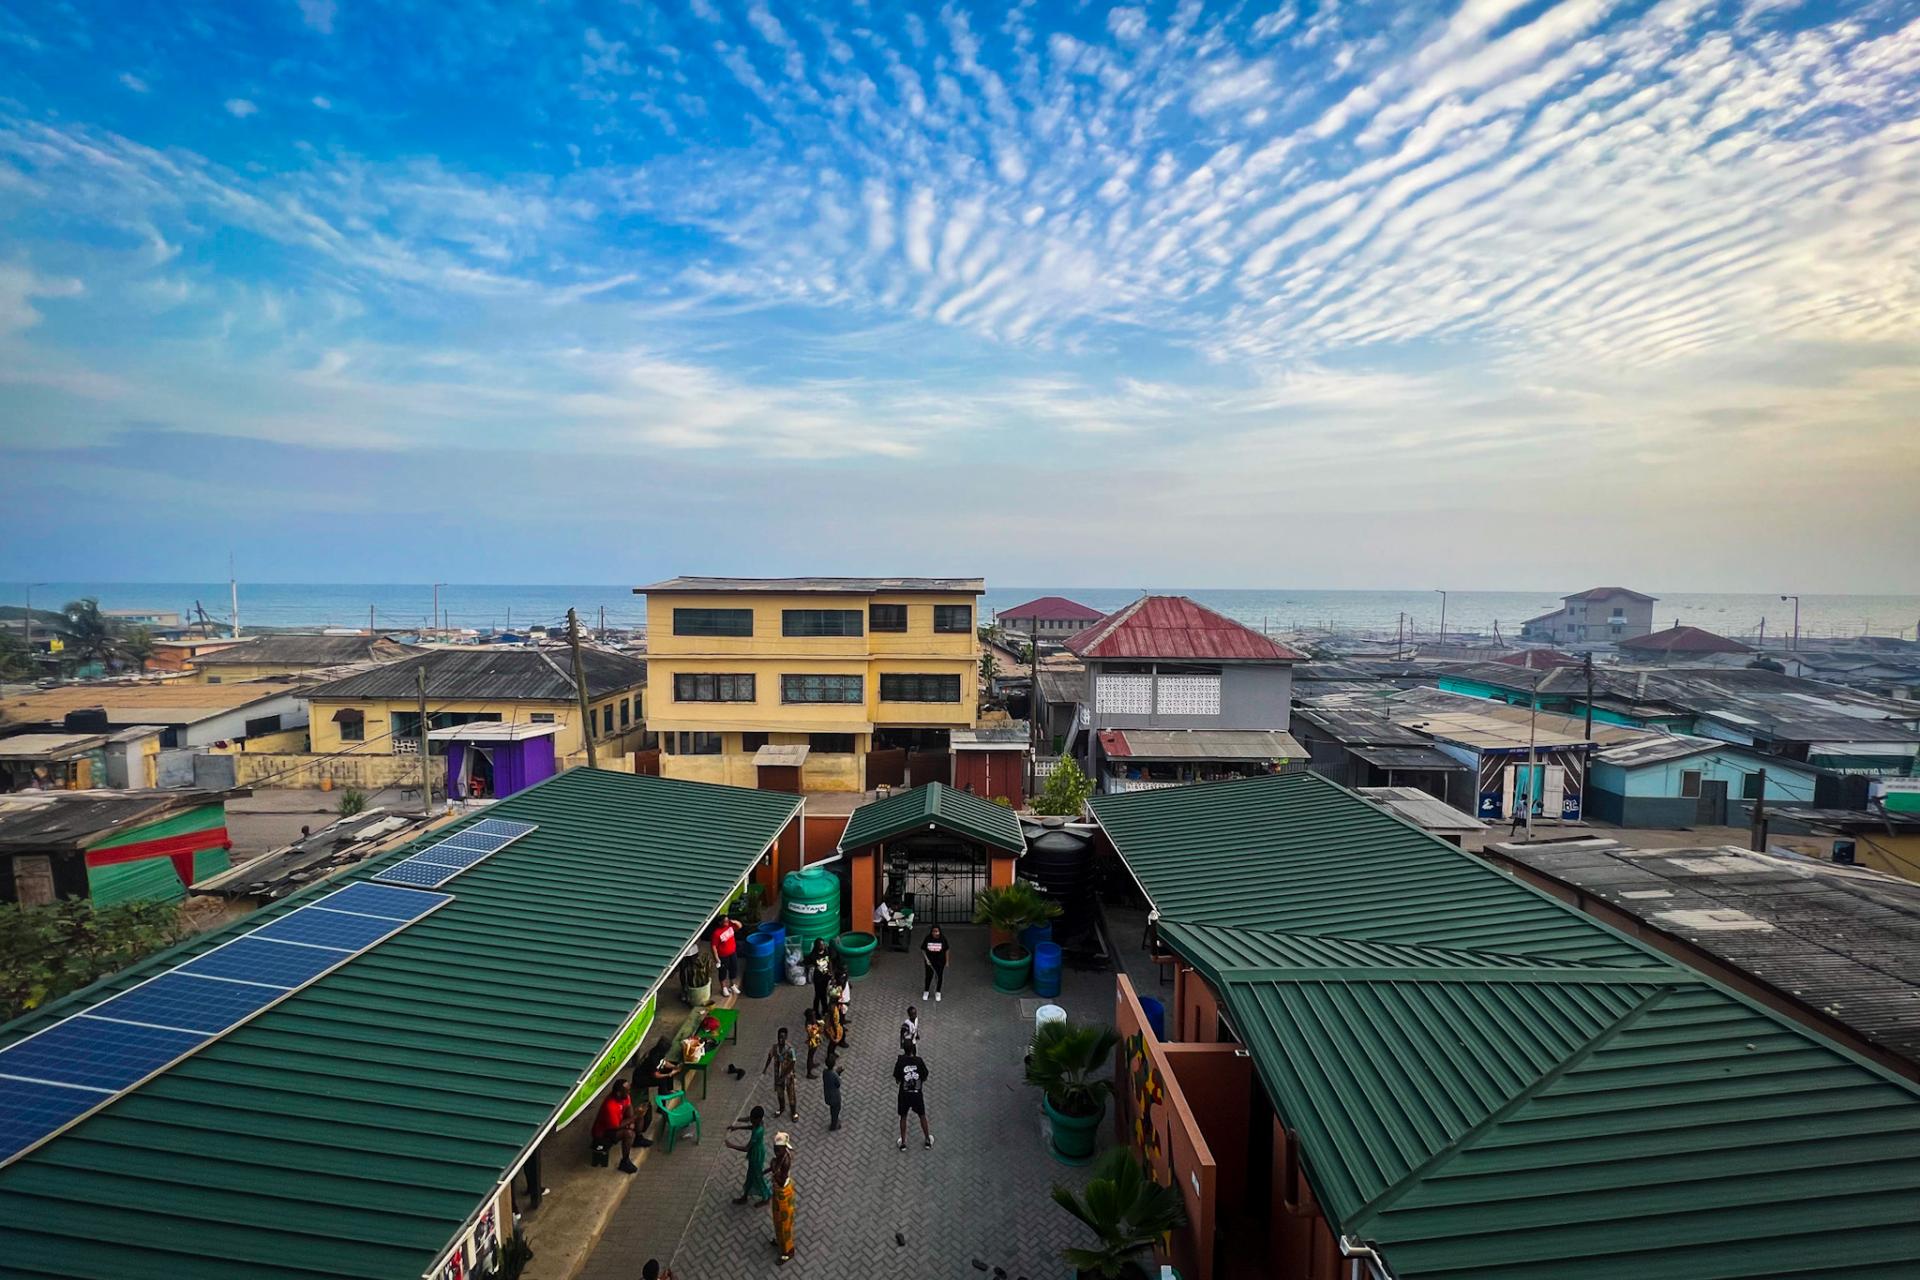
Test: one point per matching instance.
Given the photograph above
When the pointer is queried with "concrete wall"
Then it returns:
(225, 727)
(1252, 696)
(567, 742)
(734, 766)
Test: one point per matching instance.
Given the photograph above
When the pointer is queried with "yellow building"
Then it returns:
(376, 712)
(853, 682)
(289, 654)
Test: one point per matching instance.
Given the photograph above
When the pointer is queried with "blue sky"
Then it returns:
(1503, 294)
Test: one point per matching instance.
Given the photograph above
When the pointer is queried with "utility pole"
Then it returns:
(580, 687)
(1762, 642)
(426, 760)
(1443, 617)
(1533, 721)
(1796, 620)
(1757, 840)
(436, 605)
(603, 624)
(369, 620)
(1588, 665)
(233, 587)
(1400, 639)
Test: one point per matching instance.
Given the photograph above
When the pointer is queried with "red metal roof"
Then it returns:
(1052, 609)
(1604, 593)
(1538, 659)
(1113, 743)
(1175, 627)
(1684, 640)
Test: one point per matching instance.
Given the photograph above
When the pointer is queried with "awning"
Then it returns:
(1406, 758)
(783, 756)
(349, 715)
(1201, 744)
(492, 731)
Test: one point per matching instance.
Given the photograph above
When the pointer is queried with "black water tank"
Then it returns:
(87, 720)
(1060, 862)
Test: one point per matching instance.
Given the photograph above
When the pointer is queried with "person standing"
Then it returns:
(842, 988)
(755, 1146)
(830, 1086)
(785, 1064)
(615, 1122)
(910, 1073)
(813, 1042)
(934, 949)
(651, 1075)
(726, 954)
(783, 1195)
(820, 969)
(910, 1030)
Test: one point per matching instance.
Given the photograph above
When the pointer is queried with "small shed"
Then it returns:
(991, 761)
(110, 846)
(52, 761)
(492, 759)
(939, 846)
(1432, 815)
(777, 766)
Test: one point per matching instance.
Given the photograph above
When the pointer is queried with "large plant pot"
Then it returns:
(1011, 974)
(857, 950)
(702, 994)
(1074, 1137)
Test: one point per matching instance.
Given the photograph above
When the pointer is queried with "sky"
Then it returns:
(1511, 293)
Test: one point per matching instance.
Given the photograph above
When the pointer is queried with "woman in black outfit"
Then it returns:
(935, 949)
(820, 969)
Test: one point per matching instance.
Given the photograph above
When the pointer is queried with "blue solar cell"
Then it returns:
(320, 927)
(29, 1112)
(254, 959)
(480, 842)
(427, 875)
(96, 1053)
(379, 900)
(507, 827)
(193, 1004)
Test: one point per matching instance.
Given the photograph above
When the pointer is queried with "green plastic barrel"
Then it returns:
(857, 950)
(810, 906)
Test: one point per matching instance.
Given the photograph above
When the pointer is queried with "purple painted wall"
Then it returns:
(516, 765)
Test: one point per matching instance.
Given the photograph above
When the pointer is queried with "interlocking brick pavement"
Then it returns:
(980, 1193)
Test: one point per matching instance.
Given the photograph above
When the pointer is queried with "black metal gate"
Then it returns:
(942, 873)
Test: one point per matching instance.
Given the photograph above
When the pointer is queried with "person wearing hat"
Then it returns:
(781, 1174)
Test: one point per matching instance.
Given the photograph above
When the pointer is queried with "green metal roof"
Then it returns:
(1516, 1103)
(352, 1130)
(935, 805)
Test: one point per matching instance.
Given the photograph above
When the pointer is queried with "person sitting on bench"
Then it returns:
(616, 1120)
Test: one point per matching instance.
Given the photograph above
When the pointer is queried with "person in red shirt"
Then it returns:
(615, 1120)
(726, 955)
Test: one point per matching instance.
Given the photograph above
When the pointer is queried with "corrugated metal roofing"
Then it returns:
(1429, 813)
(935, 805)
(1406, 758)
(1176, 628)
(304, 650)
(1844, 942)
(1487, 1084)
(25, 746)
(1200, 744)
(829, 586)
(1607, 593)
(352, 1130)
(1061, 684)
(1683, 640)
(41, 820)
(492, 673)
(162, 702)
(1050, 609)
(1538, 659)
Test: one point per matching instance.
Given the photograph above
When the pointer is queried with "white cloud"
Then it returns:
(133, 82)
(19, 285)
(318, 14)
(240, 108)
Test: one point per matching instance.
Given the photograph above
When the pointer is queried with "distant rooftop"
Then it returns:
(821, 586)
(1051, 609)
(493, 672)
(1176, 628)
(1683, 640)
(1607, 593)
(295, 650)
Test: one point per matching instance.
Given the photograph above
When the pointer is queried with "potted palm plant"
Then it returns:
(1127, 1211)
(696, 978)
(1009, 909)
(1064, 1064)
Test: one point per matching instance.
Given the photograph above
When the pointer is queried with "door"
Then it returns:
(1554, 791)
(1711, 808)
(886, 767)
(32, 879)
(943, 875)
(1523, 787)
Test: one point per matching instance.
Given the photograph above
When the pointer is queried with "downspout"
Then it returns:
(1357, 1253)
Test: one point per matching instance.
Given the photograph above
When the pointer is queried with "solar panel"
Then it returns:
(66, 1071)
(444, 859)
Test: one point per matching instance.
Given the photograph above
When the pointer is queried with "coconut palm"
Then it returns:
(89, 632)
(136, 646)
(1010, 909)
(1127, 1210)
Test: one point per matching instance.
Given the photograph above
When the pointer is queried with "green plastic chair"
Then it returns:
(677, 1112)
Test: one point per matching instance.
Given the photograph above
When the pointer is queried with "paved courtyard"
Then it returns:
(981, 1193)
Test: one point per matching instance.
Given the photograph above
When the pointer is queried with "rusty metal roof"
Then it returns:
(491, 673)
(1683, 640)
(1051, 609)
(1176, 627)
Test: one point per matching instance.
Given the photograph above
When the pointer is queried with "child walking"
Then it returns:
(813, 1041)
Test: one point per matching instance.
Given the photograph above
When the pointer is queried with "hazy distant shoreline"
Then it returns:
(401, 606)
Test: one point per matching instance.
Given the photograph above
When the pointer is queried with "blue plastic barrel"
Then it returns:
(1033, 935)
(760, 952)
(1046, 969)
(1156, 1016)
(758, 983)
(772, 929)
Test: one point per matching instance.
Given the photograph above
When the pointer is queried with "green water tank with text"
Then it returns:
(810, 906)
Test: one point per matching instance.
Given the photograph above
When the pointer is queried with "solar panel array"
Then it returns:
(65, 1072)
(444, 859)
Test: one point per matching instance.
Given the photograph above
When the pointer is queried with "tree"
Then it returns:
(1065, 1061)
(1066, 792)
(90, 635)
(1011, 908)
(989, 666)
(136, 646)
(47, 952)
(1126, 1209)
(15, 662)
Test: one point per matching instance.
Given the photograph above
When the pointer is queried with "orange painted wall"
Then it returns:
(1152, 1116)
(1217, 1082)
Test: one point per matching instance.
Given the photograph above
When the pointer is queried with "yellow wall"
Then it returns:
(234, 673)
(325, 733)
(768, 655)
(734, 766)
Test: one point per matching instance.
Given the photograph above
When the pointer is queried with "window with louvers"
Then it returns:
(701, 687)
(919, 688)
(822, 689)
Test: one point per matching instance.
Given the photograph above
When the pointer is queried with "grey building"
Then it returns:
(1177, 693)
(1599, 615)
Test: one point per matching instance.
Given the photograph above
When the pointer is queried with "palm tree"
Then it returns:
(136, 646)
(1010, 909)
(1127, 1210)
(1064, 1059)
(89, 635)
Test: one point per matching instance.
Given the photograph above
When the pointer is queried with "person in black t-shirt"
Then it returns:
(910, 1073)
(935, 950)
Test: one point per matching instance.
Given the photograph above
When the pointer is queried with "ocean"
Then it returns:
(495, 607)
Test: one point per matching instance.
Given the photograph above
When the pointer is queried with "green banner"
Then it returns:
(624, 1046)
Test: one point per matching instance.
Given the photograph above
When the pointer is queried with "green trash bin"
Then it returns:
(857, 950)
